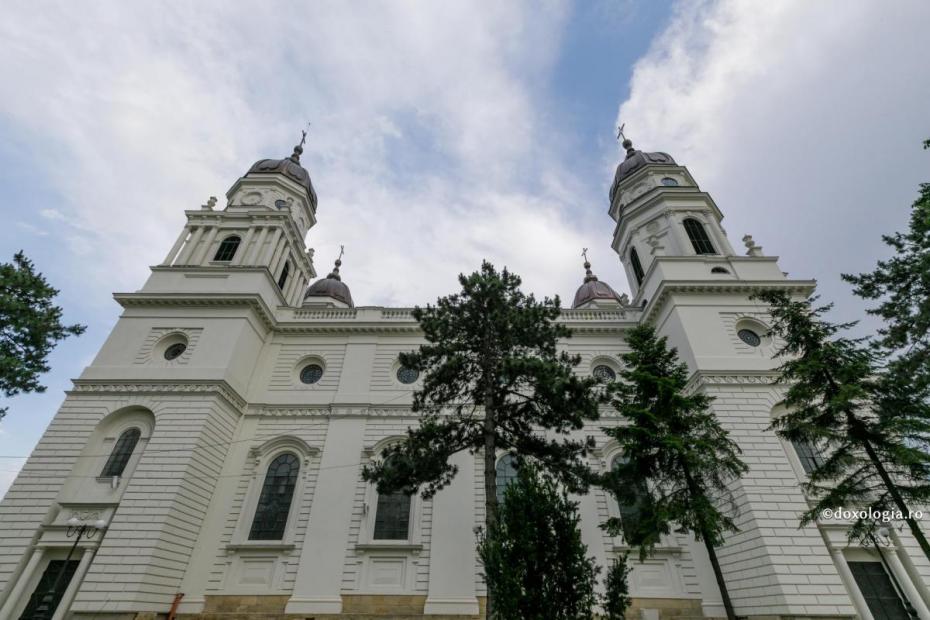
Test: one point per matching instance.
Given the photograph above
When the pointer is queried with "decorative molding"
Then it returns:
(252, 301)
(220, 388)
(157, 333)
(330, 411)
(701, 378)
(747, 287)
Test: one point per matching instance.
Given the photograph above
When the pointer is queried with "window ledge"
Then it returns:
(390, 546)
(260, 545)
(658, 550)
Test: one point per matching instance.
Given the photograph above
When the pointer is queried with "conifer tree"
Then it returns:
(535, 564)
(677, 459)
(493, 381)
(617, 595)
(30, 327)
(841, 401)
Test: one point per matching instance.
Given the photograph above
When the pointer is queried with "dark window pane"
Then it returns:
(40, 596)
(392, 517)
(311, 373)
(698, 237)
(879, 592)
(637, 266)
(809, 456)
(274, 503)
(749, 337)
(227, 248)
(175, 351)
(284, 273)
(506, 474)
(122, 451)
(629, 512)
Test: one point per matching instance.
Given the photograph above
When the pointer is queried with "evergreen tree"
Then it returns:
(617, 596)
(841, 400)
(493, 381)
(677, 460)
(901, 284)
(535, 564)
(30, 327)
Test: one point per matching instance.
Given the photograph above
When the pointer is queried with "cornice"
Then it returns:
(329, 411)
(207, 300)
(748, 287)
(220, 388)
(713, 378)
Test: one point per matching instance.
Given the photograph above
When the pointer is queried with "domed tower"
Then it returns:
(256, 241)
(331, 290)
(661, 212)
(596, 294)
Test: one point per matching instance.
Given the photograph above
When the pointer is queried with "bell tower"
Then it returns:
(254, 244)
(662, 213)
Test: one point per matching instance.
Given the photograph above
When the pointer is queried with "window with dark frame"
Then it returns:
(122, 452)
(274, 503)
(698, 236)
(284, 273)
(637, 266)
(227, 248)
(392, 516)
(506, 474)
(45, 585)
(809, 456)
(879, 591)
(628, 511)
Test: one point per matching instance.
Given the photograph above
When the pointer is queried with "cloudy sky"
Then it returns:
(444, 133)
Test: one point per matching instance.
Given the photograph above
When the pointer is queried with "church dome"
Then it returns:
(593, 289)
(331, 286)
(289, 167)
(636, 159)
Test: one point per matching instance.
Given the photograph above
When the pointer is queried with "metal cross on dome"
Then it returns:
(620, 134)
(342, 250)
(303, 134)
(584, 253)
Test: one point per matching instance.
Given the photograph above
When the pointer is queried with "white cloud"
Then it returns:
(802, 119)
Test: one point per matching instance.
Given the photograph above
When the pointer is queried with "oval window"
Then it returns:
(604, 373)
(407, 375)
(749, 337)
(669, 182)
(311, 373)
(175, 351)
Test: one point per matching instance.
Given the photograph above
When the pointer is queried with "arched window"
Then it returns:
(274, 503)
(637, 266)
(123, 449)
(284, 273)
(698, 237)
(506, 474)
(227, 248)
(628, 511)
(392, 516)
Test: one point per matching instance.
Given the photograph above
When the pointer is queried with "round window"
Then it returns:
(749, 337)
(407, 375)
(669, 182)
(604, 373)
(311, 373)
(175, 351)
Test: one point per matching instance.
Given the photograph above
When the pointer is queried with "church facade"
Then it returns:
(208, 462)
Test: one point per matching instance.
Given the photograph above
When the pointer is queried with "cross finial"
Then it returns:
(620, 134)
(584, 253)
(342, 250)
(303, 134)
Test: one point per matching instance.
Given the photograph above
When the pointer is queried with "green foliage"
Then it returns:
(493, 380)
(678, 459)
(534, 562)
(901, 285)
(617, 596)
(841, 400)
(30, 326)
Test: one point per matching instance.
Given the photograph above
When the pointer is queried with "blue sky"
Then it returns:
(444, 133)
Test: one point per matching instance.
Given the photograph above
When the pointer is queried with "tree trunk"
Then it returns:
(898, 500)
(490, 485)
(727, 605)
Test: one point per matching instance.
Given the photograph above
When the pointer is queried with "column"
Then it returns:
(862, 608)
(6, 612)
(271, 256)
(322, 558)
(254, 253)
(74, 584)
(177, 246)
(904, 580)
(204, 254)
(243, 247)
(452, 545)
(185, 256)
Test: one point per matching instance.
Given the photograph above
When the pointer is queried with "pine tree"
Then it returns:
(534, 562)
(30, 327)
(841, 400)
(901, 284)
(677, 459)
(493, 381)
(617, 595)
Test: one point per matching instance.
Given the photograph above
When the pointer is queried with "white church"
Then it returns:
(207, 464)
